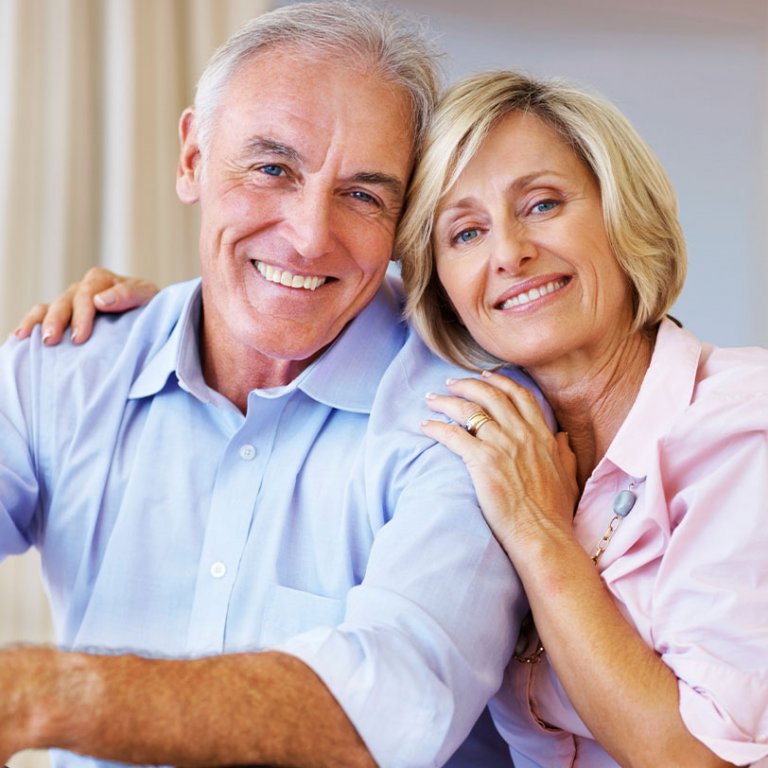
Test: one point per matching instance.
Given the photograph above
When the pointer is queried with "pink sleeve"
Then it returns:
(710, 604)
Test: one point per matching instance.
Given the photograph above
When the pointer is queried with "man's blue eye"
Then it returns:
(544, 206)
(364, 197)
(271, 170)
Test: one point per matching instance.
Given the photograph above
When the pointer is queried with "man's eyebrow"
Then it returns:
(394, 185)
(261, 144)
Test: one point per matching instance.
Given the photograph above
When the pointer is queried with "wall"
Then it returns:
(692, 75)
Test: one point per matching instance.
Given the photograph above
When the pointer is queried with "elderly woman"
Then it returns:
(542, 231)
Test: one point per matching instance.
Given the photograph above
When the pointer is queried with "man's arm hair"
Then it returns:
(254, 708)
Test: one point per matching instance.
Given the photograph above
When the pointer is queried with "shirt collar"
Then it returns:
(179, 355)
(348, 373)
(666, 391)
(345, 376)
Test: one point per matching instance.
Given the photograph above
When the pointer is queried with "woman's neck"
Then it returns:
(592, 395)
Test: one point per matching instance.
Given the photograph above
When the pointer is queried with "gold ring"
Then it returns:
(475, 421)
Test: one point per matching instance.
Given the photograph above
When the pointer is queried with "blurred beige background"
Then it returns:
(91, 91)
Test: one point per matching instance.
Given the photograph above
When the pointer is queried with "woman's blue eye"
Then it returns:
(544, 206)
(466, 236)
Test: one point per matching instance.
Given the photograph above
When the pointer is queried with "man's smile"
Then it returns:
(288, 279)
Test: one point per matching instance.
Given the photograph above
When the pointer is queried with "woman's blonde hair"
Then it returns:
(639, 203)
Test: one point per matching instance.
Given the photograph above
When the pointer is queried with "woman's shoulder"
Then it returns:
(731, 380)
(728, 410)
(736, 371)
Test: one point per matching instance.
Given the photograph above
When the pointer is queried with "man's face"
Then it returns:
(300, 193)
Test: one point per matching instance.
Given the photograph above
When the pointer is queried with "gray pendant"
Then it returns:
(623, 503)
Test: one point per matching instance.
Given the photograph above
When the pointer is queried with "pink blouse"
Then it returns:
(689, 564)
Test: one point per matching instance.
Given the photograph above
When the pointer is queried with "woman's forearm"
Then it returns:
(619, 686)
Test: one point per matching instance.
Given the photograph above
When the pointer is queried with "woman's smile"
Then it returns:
(532, 291)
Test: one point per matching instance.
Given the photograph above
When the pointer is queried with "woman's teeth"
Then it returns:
(534, 293)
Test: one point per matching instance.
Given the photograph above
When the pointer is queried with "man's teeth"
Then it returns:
(534, 293)
(284, 277)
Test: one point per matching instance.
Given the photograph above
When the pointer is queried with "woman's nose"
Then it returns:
(512, 247)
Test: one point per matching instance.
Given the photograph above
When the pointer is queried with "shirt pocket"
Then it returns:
(290, 612)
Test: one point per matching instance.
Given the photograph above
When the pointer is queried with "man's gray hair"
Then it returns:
(383, 40)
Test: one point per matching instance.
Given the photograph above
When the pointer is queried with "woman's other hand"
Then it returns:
(524, 476)
(99, 291)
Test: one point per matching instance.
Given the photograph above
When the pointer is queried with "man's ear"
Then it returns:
(188, 171)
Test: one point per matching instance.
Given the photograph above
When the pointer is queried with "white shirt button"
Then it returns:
(218, 570)
(247, 452)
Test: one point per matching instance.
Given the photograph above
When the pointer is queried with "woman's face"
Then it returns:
(522, 251)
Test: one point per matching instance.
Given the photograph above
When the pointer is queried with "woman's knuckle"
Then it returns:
(497, 397)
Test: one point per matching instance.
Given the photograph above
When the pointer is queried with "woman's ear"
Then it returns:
(188, 171)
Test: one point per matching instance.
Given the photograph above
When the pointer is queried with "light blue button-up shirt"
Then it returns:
(321, 522)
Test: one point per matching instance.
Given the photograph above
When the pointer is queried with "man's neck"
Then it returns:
(234, 373)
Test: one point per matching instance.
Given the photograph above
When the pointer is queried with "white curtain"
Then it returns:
(90, 95)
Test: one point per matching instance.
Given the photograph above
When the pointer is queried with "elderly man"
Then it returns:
(253, 555)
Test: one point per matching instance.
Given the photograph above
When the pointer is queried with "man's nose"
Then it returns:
(309, 220)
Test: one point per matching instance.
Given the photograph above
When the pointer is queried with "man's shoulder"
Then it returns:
(140, 331)
(122, 340)
(150, 323)
(417, 370)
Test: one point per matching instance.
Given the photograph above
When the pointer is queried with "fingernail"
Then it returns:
(105, 298)
(486, 374)
(74, 334)
(47, 333)
(450, 381)
(16, 333)
(430, 395)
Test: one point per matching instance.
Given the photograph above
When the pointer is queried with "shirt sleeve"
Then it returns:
(19, 490)
(710, 614)
(427, 634)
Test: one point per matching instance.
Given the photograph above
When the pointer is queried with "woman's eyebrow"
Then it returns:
(518, 184)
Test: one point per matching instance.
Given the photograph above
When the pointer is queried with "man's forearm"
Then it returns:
(261, 708)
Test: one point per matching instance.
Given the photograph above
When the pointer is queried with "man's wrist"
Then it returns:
(27, 678)
(47, 689)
